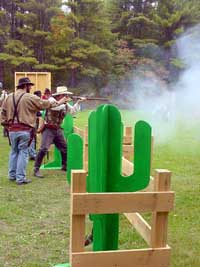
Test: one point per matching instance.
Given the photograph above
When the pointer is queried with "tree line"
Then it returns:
(90, 44)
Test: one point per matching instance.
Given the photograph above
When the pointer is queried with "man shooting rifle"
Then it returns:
(52, 132)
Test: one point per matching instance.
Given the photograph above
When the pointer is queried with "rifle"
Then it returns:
(89, 98)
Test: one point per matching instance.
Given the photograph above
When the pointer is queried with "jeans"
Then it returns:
(19, 155)
(51, 136)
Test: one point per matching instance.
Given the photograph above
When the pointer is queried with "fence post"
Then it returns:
(159, 227)
(77, 222)
(127, 143)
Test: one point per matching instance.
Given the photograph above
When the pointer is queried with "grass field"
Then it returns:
(34, 219)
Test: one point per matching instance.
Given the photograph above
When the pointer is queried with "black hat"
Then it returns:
(38, 93)
(23, 81)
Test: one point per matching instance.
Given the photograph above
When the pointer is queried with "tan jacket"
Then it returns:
(27, 108)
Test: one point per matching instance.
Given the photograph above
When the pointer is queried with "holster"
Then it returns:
(32, 135)
(52, 126)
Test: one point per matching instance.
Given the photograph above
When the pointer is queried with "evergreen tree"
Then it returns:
(133, 20)
(84, 43)
(27, 39)
(36, 18)
(173, 17)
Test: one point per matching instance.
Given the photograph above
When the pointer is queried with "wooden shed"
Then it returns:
(41, 80)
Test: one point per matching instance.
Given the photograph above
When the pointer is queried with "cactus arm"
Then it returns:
(142, 160)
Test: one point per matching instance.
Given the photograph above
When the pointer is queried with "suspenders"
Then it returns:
(16, 104)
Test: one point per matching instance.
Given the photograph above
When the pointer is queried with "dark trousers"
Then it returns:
(52, 136)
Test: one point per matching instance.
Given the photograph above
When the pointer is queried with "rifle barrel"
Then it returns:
(90, 98)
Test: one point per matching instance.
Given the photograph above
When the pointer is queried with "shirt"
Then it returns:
(27, 108)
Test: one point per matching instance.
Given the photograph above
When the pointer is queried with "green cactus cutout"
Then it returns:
(75, 154)
(105, 135)
(67, 127)
(104, 167)
(104, 173)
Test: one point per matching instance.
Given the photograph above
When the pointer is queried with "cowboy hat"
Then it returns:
(23, 81)
(62, 90)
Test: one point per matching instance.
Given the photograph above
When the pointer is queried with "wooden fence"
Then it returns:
(156, 199)
(159, 202)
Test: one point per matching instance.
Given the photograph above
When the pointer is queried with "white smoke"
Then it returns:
(165, 107)
(188, 87)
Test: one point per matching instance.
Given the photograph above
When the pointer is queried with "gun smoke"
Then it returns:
(167, 107)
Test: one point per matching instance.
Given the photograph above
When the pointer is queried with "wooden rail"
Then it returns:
(159, 202)
(127, 144)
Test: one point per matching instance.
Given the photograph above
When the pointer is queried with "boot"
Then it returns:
(25, 181)
(64, 168)
(37, 173)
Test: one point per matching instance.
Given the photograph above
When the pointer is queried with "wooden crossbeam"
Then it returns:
(127, 140)
(108, 203)
(123, 258)
(140, 224)
(78, 131)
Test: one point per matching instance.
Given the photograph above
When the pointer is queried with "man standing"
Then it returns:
(19, 116)
(47, 94)
(2, 97)
(52, 133)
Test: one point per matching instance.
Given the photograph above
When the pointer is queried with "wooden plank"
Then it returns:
(160, 219)
(102, 203)
(128, 148)
(78, 131)
(150, 187)
(128, 131)
(77, 231)
(123, 258)
(41, 80)
(139, 223)
(128, 152)
(127, 140)
(86, 135)
(127, 167)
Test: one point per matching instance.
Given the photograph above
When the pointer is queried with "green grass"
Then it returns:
(34, 219)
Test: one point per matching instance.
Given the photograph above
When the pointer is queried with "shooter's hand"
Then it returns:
(64, 100)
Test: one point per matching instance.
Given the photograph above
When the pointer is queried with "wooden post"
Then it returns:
(160, 219)
(77, 228)
(127, 144)
(128, 131)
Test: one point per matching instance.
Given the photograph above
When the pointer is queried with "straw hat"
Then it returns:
(62, 90)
